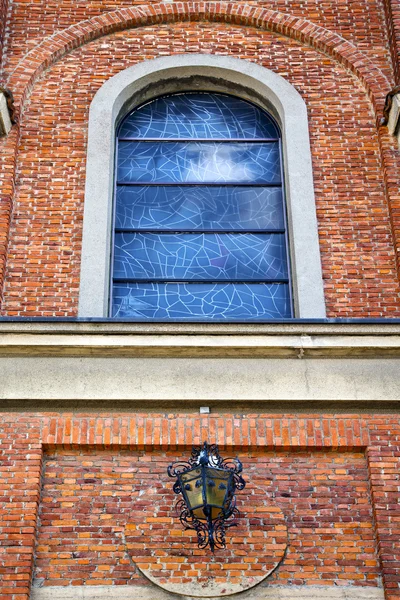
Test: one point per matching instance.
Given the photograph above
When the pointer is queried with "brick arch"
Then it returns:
(54, 47)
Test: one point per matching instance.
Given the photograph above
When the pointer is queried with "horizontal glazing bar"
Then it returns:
(200, 140)
(196, 231)
(196, 184)
(198, 281)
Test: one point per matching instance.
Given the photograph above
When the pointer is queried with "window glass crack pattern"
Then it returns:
(198, 162)
(199, 207)
(201, 301)
(199, 213)
(200, 256)
(198, 116)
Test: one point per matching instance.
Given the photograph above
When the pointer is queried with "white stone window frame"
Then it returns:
(190, 72)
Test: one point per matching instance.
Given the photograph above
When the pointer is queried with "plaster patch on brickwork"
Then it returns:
(152, 593)
(255, 548)
(169, 74)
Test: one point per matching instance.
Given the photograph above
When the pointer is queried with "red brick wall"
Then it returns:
(7, 158)
(3, 18)
(361, 22)
(88, 497)
(336, 479)
(355, 223)
(392, 11)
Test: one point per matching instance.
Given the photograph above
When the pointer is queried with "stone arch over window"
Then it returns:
(189, 73)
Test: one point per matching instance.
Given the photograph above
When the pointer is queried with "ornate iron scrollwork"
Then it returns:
(208, 484)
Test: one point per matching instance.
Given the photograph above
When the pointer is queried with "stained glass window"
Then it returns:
(200, 227)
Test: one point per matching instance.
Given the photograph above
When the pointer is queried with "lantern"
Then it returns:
(208, 484)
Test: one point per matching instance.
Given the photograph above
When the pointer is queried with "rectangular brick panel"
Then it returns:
(88, 497)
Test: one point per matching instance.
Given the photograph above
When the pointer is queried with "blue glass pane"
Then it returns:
(198, 207)
(235, 257)
(201, 301)
(198, 162)
(198, 116)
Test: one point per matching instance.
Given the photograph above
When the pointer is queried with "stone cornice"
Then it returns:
(113, 339)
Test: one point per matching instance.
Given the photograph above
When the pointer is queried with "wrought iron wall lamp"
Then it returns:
(208, 484)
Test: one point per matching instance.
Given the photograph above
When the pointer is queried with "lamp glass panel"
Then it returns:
(192, 487)
(193, 473)
(218, 483)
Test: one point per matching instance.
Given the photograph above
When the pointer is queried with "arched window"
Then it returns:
(145, 81)
(200, 225)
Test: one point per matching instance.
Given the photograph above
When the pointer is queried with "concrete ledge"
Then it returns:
(91, 362)
(198, 346)
(236, 380)
(361, 327)
(258, 593)
(186, 340)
